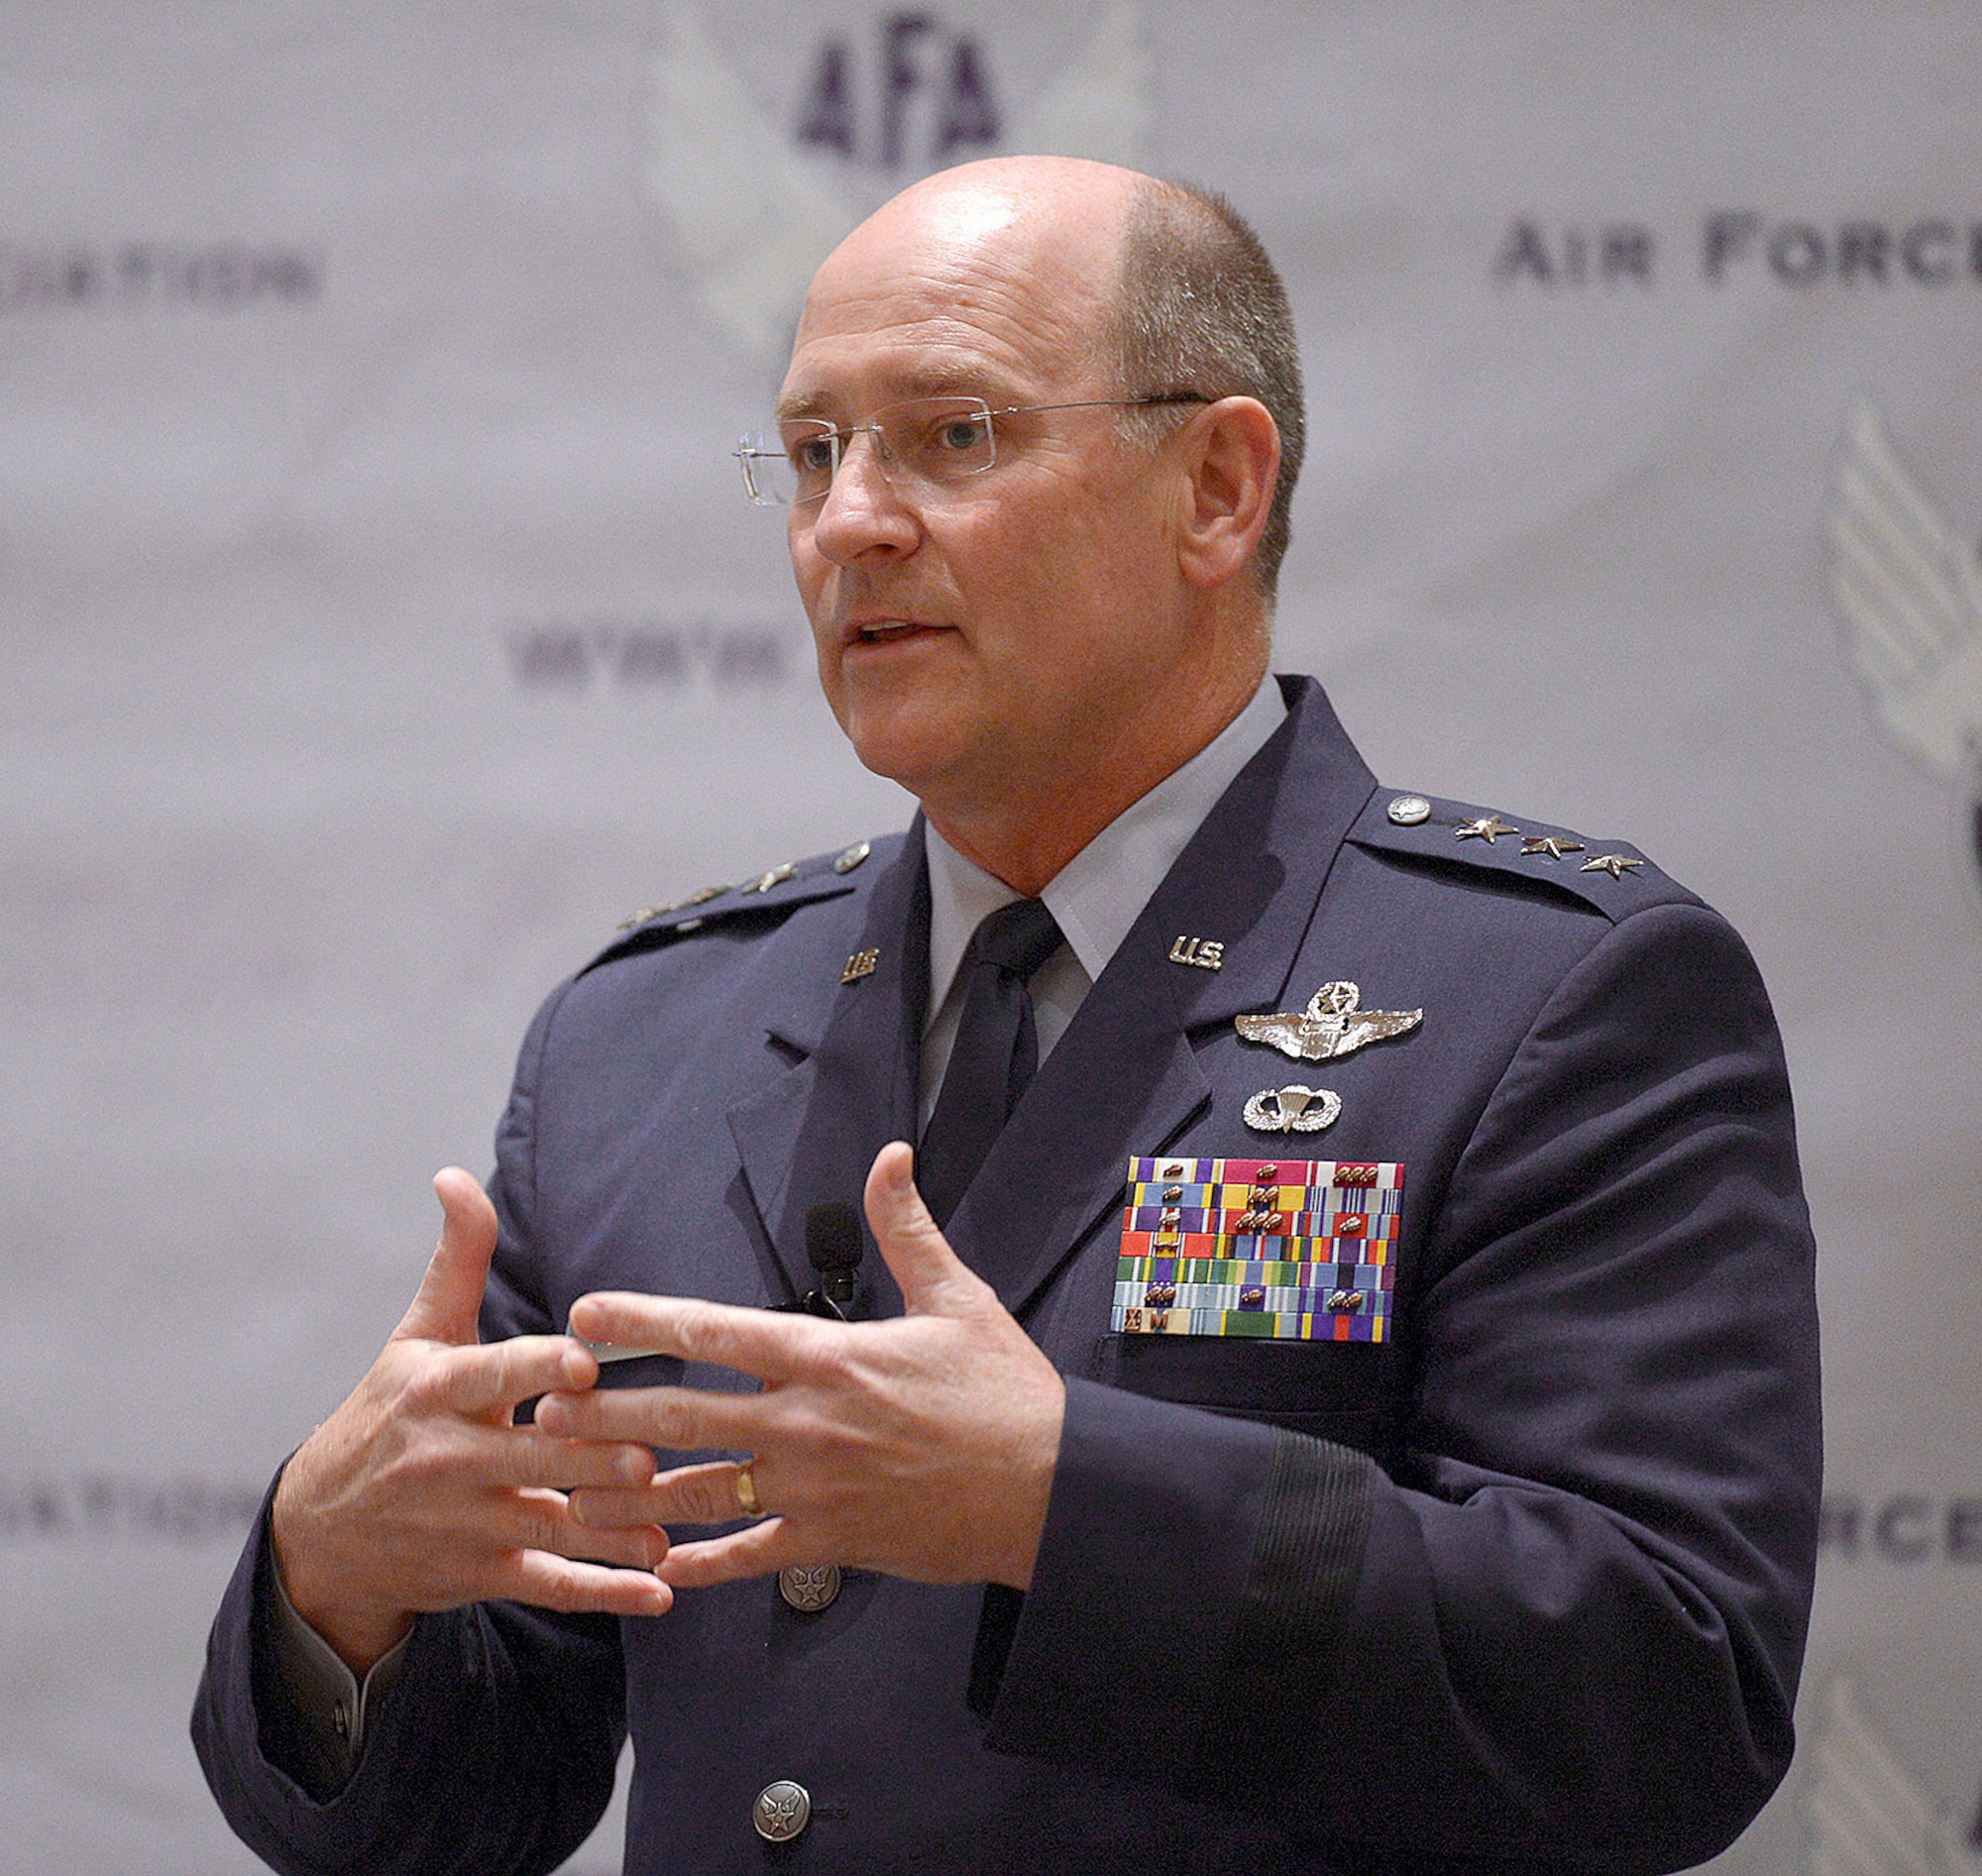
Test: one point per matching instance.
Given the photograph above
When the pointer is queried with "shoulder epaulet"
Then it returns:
(1610, 875)
(763, 898)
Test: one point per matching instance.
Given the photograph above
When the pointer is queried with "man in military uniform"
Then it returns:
(1349, 1401)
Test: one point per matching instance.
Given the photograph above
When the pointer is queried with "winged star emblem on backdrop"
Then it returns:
(1866, 1813)
(752, 213)
(1910, 590)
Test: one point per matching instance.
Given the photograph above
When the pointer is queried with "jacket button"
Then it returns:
(782, 1811)
(809, 1590)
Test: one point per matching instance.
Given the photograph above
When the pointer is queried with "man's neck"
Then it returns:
(1024, 835)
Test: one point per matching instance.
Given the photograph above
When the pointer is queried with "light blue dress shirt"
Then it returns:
(1096, 896)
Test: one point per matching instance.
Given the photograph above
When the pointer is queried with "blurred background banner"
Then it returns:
(381, 622)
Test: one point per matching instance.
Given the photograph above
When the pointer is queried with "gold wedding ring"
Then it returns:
(747, 1490)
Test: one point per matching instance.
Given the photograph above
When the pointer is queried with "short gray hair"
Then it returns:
(1202, 309)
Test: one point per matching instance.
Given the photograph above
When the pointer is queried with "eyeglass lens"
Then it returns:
(931, 441)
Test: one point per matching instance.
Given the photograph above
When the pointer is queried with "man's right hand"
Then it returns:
(419, 1493)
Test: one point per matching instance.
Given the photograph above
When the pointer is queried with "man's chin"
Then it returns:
(913, 743)
(914, 762)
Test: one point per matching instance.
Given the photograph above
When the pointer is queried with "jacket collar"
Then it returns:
(1124, 1081)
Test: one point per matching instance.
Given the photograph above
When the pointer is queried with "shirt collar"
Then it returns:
(1099, 893)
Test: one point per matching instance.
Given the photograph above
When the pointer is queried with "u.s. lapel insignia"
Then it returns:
(1205, 953)
(1330, 1026)
(1294, 1110)
(860, 965)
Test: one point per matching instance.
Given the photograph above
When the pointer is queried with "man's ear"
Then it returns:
(1231, 462)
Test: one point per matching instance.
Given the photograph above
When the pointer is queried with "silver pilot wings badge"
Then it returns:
(1332, 1025)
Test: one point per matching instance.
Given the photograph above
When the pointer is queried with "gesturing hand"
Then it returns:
(923, 1446)
(420, 1493)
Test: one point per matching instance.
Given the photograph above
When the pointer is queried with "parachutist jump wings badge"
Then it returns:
(1329, 1026)
(1294, 1110)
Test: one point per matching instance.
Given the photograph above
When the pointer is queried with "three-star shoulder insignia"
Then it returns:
(1455, 833)
(771, 892)
(700, 897)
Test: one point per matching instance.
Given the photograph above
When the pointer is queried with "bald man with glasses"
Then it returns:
(1328, 1379)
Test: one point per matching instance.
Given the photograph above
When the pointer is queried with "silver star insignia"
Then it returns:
(645, 913)
(1329, 1026)
(775, 877)
(1553, 844)
(1611, 863)
(1488, 827)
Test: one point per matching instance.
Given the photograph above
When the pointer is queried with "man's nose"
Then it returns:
(862, 511)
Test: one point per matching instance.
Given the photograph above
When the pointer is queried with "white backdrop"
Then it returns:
(380, 624)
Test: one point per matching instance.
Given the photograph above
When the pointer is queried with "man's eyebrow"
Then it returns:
(936, 382)
(810, 403)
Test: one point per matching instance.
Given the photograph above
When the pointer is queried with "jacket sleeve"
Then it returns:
(494, 1753)
(1565, 1625)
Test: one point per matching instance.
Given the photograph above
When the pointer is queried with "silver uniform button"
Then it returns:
(782, 1811)
(852, 857)
(1411, 811)
(810, 1588)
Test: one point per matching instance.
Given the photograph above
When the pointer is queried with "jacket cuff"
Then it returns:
(332, 1705)
(1307, 1557)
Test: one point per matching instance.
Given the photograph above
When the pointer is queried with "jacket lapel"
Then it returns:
(1125, 1079)
(811, 1133)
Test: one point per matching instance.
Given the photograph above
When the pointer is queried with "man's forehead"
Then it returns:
(968, 295)
(1006, 361)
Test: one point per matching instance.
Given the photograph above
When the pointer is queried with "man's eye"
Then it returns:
(812, 454)
(959, 436)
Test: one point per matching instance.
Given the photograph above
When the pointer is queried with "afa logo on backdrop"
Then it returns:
(756, 168)
(1910, 590)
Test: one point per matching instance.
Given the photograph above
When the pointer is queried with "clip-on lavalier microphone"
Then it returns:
(832, 1246)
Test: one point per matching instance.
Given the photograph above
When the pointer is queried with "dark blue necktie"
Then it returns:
(996, 1051)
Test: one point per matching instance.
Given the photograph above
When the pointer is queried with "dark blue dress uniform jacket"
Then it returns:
(1525, 1586)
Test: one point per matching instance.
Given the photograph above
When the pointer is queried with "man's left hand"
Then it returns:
(923, 1446)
